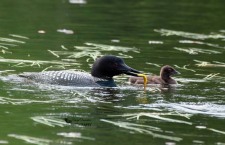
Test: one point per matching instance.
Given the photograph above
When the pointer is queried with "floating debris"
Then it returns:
(115, 40)
(155, 42)
(197, 50)
(8, 44)
(158, 116)
(166, 32)
(74, 135)
(49, 121)
(77, 1)
(198, 142)
(6, 71)
(211, 129)
(192, 108)
(124, 55)
(33, 140)
(5, 100)
(86, 53)
(190, 51)
(4, 51)
(10, 40)
(185, 68)
(208, 64)
(215, 76)
(170, 143)
(4, 142)
(53, 53)
(145, 129)
(217, 131)
(219, 62)
(65, 31)
(93, 51)
(200, 127)
(18, 36)
(105, 47)
(154, 64)
(3, 47)
(201, 43)
(210, 76)
(63, 47)
(41, 31)
(188, 80)
(24, 63)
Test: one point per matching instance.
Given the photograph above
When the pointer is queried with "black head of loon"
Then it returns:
(108, 66)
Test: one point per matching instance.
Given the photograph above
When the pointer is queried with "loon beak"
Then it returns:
(128, 70)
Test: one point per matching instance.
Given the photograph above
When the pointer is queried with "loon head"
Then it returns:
(108, 66)
(167, 71)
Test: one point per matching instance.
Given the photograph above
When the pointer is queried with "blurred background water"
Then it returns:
(70, 34)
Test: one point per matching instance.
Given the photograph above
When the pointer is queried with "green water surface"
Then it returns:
(38, 35)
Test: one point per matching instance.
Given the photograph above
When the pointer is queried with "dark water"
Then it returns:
(54, 35)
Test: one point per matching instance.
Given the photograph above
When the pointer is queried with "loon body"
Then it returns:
(66, 78)
(102, 74)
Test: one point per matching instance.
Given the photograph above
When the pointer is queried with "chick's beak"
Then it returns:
(175, 72)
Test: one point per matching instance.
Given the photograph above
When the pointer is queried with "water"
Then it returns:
(47, 35)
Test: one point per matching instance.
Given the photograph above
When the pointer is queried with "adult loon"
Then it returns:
(102, 72)
(164, 79)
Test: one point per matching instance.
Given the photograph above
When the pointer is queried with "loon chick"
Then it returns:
(164, 79)
(102, 72)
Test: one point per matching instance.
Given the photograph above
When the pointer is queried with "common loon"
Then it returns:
(102, 72)
(164, 79)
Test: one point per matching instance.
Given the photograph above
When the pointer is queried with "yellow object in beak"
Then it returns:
(145, 79)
